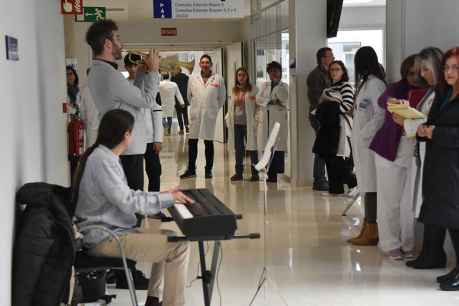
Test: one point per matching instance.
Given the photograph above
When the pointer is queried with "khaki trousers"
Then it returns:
(169, 261)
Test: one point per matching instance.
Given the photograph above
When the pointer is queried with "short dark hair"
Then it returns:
(407, 63)
(321, 53)
(132, 59)
(165, 76)
(345, 77)
(206, 56)
(273, 65)
(98, 32)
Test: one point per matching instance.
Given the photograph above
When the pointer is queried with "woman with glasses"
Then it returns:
(333, 137)
(440, 190)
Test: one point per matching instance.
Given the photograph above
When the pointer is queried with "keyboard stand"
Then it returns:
(208, 276)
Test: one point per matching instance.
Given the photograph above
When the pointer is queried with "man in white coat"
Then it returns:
(169, 91)
(207, 94)
(89, 115)
(273, 102)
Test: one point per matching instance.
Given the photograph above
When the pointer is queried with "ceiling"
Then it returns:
(355, 3)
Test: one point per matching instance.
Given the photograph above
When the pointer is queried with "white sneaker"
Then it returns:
(353, 193)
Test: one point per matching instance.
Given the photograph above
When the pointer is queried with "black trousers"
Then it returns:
(153, 168)
(167, 122)
(193, 154)
(240, 138)
(182, 116)
(370, 207)
(277, 165)
(339, 171)
(432, 243)
(454, 234)
(133, 169)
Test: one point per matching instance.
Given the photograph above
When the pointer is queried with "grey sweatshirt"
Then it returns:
(110, 90)
(104, 198)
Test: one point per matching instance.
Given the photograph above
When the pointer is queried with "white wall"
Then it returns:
(196, 34)
(362, 17)
(415, 24)
(32, 128)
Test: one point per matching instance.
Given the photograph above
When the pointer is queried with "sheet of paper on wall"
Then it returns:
(405, 111)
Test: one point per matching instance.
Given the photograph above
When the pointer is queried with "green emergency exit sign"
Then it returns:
(93, 14)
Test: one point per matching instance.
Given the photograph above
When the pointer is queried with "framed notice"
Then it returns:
(12, 48)
(72, 7)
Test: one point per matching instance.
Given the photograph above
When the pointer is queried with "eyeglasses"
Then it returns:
(452, 67)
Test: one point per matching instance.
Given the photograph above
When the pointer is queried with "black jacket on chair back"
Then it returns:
(44, 247)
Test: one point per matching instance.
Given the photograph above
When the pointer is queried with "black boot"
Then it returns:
(448, 277)
(452, 284)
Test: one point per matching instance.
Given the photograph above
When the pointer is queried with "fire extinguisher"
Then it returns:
(76, 136)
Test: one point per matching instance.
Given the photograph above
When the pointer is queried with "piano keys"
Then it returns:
(206, 219)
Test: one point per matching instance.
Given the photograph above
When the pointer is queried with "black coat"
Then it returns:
(440, 186)
(327, 139)
(182, 82)
(44, 247)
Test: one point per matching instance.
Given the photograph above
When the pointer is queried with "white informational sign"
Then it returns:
(189, 9)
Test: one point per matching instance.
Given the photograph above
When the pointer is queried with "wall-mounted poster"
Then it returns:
(12, 48)
(189, 9)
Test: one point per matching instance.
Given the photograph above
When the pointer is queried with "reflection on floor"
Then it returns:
(307, 256)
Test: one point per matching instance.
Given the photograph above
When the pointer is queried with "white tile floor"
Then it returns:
(307, 256)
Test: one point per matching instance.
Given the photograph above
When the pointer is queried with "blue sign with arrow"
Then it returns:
(162, 8)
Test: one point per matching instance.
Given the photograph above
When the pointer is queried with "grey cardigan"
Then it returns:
(104, 198)
(110, 90)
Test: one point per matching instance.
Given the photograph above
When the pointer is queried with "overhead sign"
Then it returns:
(168, 31)
(72, 7)
(189, 9)
(93, 14)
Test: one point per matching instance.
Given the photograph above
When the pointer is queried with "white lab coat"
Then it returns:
(368, 119)
(206, 100)
(270, 114)
(169, 91)
(415, 177)
(90, 116)
(250, 111)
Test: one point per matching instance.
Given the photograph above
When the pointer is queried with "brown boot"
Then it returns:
(369, 236)
(361, 231)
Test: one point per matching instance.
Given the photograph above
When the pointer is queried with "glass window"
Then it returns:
(346, 44)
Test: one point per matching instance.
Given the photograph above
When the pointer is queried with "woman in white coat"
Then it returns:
(240, 120)
(168, 92)
(207, 94)
(273, 101)
(432, 255)
(368, 118)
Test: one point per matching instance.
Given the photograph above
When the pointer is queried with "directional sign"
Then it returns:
(93, 14)
(162, 8)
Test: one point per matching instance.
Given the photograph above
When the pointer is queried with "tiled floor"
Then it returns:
(306, 252)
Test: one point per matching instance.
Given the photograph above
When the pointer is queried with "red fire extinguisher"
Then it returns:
(76, 136)
(75, 131)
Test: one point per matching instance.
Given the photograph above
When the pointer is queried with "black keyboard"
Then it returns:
(207, 219)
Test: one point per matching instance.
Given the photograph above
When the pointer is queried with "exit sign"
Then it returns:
(94, 14)
(168, 31)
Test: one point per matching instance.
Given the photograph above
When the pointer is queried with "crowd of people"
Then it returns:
(406, 166)
(405, 169)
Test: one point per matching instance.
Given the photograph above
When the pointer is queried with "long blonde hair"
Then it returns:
(237, 88)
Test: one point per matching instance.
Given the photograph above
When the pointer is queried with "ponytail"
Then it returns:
(112, 128)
